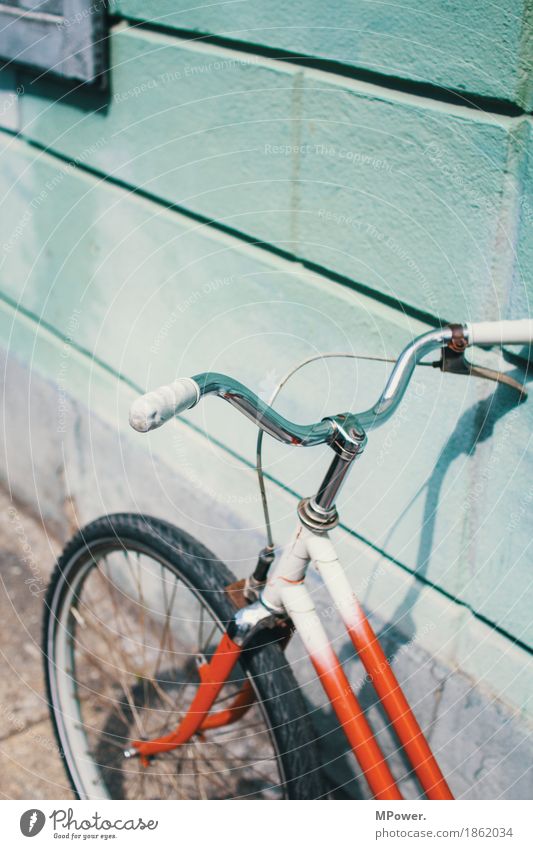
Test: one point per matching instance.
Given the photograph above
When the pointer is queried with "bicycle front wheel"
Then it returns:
(132, 608)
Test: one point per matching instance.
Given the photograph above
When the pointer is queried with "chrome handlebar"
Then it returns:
(153, 409)
(262, 414)
(401, 374)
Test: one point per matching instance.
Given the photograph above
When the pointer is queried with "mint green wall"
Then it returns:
(111, 214)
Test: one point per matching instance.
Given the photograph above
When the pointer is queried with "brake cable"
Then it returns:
(266, 556)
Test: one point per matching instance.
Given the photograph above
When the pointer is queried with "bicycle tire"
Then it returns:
(265, 665)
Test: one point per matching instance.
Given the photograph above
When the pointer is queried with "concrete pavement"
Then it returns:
(31, 766)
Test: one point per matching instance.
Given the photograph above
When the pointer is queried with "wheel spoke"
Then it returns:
(167, 631)
(91, 658)
(137, 631)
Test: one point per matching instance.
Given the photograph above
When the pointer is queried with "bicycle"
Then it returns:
(167, 678)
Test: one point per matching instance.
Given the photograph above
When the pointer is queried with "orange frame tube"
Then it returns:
(380, 672)
(355, 725)
(397, 708)
(300, 607)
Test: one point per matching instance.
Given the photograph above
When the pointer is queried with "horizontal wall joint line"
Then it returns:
(362, 288)
(418, 88)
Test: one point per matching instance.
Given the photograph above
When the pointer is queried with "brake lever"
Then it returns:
(455, 362)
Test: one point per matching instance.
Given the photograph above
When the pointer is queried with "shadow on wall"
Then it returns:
(475, 427)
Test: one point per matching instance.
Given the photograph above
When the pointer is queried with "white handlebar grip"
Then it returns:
(519, 332)
(157, 407)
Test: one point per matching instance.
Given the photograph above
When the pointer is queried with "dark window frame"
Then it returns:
(71, 44)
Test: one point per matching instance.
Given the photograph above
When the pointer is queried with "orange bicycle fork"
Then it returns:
(213, 675)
